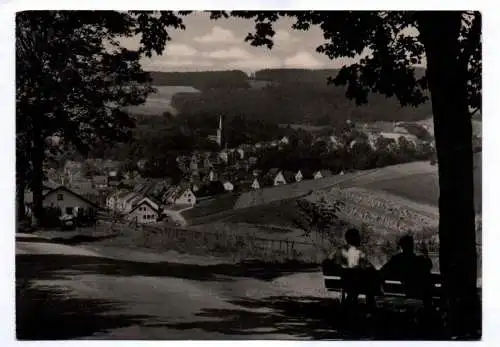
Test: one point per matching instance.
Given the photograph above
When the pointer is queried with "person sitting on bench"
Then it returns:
(414, 271)
(358, 273)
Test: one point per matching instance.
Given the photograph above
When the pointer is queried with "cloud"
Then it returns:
(283, 36)
(180, 50)
(218, 35)
(231, 53)
(165, 63)
(256, 63)
(303, 60)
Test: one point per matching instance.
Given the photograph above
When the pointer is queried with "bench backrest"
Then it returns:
(332, 274)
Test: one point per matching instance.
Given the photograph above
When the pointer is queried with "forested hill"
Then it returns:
(319, 76)
(292, 96)
(202, 80)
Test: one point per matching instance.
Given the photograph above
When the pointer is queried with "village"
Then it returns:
(206, 175)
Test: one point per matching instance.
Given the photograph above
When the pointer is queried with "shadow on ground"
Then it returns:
(51, 314)
(57, 266)
(314, 318)
(72, 241)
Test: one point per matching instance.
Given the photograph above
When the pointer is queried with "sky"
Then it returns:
(219, 45)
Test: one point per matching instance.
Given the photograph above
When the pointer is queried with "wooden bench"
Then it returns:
(332, 274)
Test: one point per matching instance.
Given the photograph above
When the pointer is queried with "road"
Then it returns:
(74, 292)
(101, 292)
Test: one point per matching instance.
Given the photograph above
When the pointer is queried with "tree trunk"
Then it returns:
(447, 81)
(37, 158)
(20, 189)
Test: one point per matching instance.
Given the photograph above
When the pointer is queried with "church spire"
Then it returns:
(219, 132)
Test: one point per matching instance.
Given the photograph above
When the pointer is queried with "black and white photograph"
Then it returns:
(248, 175)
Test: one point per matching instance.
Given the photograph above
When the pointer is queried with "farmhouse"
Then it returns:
(212, 176)
(284, 140)
(241, 153)
(146, 211)
(321, 174)
(68, 201)
(181, 196)
(224, 156)
(279, 179)
(255, 184)
(100, 182)
(298, 176)
(228, 186)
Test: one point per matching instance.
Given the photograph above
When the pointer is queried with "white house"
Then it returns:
(180, 196)
(228, 186)
(123, 200)
(298, 176)
(241, 153)
(67, 200)
(145, 211)
(224, 156)
(321, 174)
(279, 179)
(284, 140)
(212, 176)
(255, 184)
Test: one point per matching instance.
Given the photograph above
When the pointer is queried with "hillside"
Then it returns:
(202, 80)
(299, 103)
(282, 96)
(414, 185)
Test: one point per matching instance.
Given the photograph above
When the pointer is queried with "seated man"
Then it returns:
(412, 270)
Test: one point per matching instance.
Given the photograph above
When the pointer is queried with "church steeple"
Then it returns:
(219, 132)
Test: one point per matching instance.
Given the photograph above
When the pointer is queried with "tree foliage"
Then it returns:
(316, 218)
(73, 80)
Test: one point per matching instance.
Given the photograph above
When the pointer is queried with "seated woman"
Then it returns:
(359, 276)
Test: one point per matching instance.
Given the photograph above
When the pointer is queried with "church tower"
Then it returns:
(219, 132)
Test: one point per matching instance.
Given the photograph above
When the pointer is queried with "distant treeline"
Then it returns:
(304, 75)
(203, 80)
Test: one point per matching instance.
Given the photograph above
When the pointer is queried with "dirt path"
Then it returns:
(104, 292)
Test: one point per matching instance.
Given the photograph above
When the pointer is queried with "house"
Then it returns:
(212, 176)
(255, 184)
(241, 153)
(228, 186)
(298, 176)
(224, 156)
(123, 200)
(145, 211)
(182, 196)
(113, 198)
(284, 140)
(100, 182)
(68, 201)
(128, 201)
(278, 178)
(322, 174)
